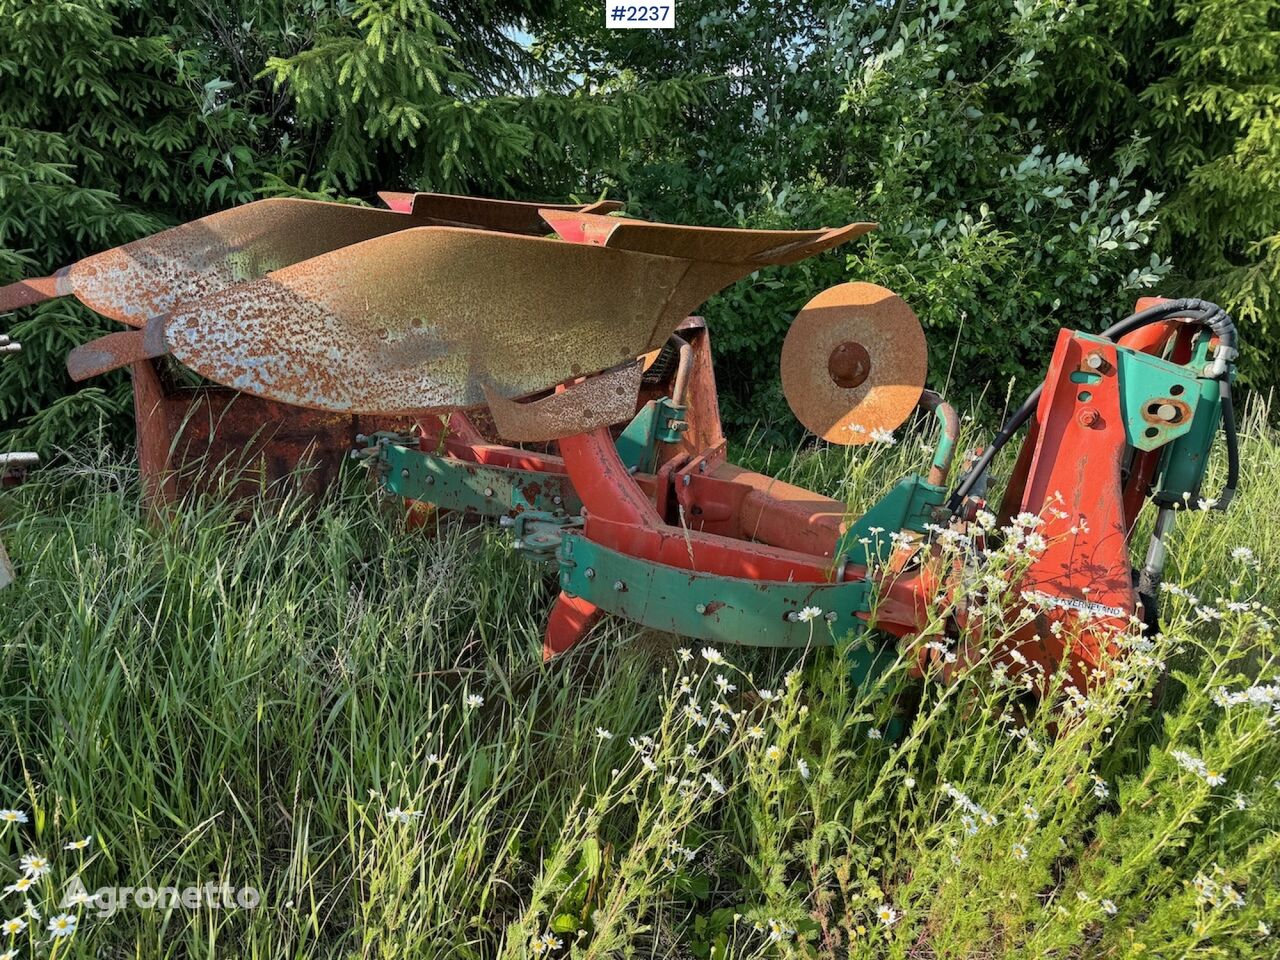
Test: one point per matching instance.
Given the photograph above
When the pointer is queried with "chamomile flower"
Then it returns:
(1213, 777)
(603, 734)
(779, 931)
(755, 732)
(400, 815)
(909, 783)
(880, 435)
(12, 816)
(685, 654)
(34, 865)
(768, 696)
(723, 683)
(9, 955)
(80, 898)
(712, 656)
(1030, 813)
(63, 925)
(874, 734)
(714, 784)
(803, 766)
(474, 701)
(886, 915)
(773, 752)
(1109, 907)
(808, 614)
(11, 928)
(1019, 851)
(1100, 789)
(78, 844)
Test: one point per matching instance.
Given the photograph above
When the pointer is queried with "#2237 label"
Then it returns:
(622, 16)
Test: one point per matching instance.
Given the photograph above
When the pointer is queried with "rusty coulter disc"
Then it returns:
(854, 361)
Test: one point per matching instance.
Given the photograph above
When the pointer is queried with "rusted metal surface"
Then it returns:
(706, 244)
(853, 362)
(115, 350)
(599, 401)
(27, 293)
(150, 276)
(428, 319)
(212, 438)
(511, 216)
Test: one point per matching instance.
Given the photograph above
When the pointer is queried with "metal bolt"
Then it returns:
(1167, 411)
(1095, 361)
(518, 545)
(405, 473)
(793, 616)
(430, 481)
(1088, 417)
(686, 479)
(488, 491)
(701, 608)
(589, 573)
(361, 438)
(557, 500)
(619, 586)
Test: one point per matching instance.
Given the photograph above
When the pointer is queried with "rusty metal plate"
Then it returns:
(599, 401)
(148, 277)
(722, 245)
(854, 361)
(27, 293)
(512, 216)
(426, 319)
(115, 350)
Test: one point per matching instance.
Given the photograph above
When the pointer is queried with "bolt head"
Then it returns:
(589, 573)
(488, 491)
(619, 586)
(405, 473)
(1088, 417)
(701, 608)
(1167, 412)
(1094, 361)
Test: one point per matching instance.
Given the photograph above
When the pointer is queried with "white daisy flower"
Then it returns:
(63, 925)
(34, 865)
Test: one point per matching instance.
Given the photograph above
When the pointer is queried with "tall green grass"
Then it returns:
(355, 720)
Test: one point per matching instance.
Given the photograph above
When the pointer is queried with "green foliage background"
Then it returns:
(1032, 163)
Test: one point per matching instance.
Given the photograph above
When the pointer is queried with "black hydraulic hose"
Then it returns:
(1209, 314)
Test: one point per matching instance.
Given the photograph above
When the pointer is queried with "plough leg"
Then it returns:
(571, 619)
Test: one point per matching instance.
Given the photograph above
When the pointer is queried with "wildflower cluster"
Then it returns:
(33, 880)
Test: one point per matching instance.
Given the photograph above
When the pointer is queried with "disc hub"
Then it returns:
(849, 365)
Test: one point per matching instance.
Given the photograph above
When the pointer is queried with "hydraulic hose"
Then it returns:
(1201, 311)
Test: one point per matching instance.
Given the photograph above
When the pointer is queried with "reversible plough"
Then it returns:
(463, 316)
